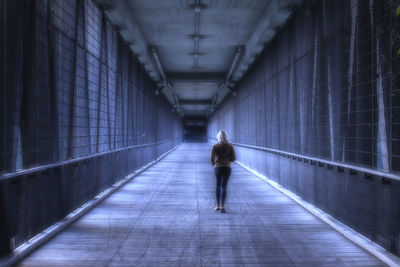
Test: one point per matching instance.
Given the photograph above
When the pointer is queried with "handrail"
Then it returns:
(70, 161)
(328, 162)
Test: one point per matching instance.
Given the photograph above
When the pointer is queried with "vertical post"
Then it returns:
(52, 82)
(122, 95)
(73, 84)
(330, 111)
(314, 80)
(390, 137)
(129, 88)
(350, 72)
(104, 24)
(382, 149)
(3, 68)
(99, 93)
(4, 230)
(116, 91)
(85, 33)
(357, 54)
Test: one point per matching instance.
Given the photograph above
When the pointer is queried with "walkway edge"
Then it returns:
(31, 245)
(358, 239)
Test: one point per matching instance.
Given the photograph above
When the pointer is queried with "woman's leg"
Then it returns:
(218, 186)
(225, 178)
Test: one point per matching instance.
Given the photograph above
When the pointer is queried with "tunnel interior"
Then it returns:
(94, 90)
(194, 129)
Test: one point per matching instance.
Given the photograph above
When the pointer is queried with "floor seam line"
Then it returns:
(141, 214)
(198, 216)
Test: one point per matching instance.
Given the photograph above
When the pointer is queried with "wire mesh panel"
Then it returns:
(76, 103)
(329, 84)
(327, 87)
(70, 86)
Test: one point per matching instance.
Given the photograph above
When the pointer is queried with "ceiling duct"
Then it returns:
(147, 26)
(157, 61)
(163, 86)
(164, 83)
(213, 105)
(228, 82)
(236, 59)
(177, 107)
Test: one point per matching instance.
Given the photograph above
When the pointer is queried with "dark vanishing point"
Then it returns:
(199, 133)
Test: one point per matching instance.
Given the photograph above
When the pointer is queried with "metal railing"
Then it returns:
(74, 160)
(329, 163)
(322, 161)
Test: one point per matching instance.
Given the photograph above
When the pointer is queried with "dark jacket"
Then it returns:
(222, 154)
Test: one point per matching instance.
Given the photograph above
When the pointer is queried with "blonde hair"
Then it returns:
(222, 136)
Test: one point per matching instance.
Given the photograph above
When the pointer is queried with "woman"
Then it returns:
(222, 154)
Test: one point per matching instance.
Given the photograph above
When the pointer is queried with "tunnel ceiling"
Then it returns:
(196, 50)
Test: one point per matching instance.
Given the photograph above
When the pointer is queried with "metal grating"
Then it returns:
(71, 87)
(327, 86)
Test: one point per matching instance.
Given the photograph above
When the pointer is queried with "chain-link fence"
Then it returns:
(78, 113)
(319, 113)
(328, 86)
(71, 86)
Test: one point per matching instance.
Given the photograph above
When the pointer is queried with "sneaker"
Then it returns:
(222, 210)
(217, 208)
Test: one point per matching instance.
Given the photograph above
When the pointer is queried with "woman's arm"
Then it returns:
(212, 156)
(233, 154)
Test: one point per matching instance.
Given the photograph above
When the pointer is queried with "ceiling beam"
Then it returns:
(195, 101)
(196, 76)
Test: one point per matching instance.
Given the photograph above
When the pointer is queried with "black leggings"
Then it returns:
(222, 175)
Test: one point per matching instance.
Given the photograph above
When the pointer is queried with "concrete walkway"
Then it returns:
(165, 217)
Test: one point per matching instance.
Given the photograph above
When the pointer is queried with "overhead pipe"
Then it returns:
(213, 105)
(165, 83)
(228, 82)
(214, 100)
(176, 99)
(163, 86)
(236, 59)
(158, 62)
(177, 106)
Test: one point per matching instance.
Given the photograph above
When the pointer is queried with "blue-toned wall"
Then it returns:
(327, 87)
(71, 88)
